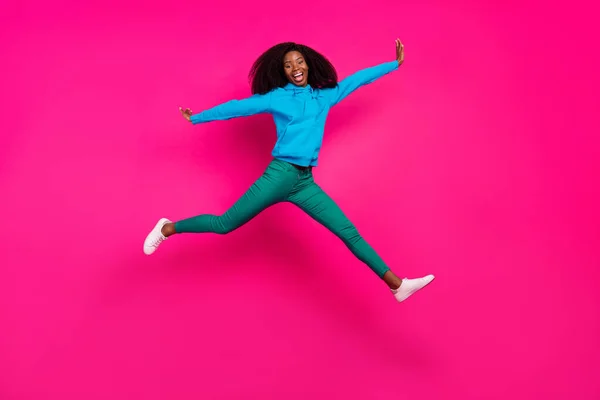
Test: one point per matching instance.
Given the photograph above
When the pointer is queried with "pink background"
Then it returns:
(477, 162)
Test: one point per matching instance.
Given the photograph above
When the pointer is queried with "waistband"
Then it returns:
(301, 168)
(298, 167)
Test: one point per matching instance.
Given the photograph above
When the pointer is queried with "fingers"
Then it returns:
(399, 50)
(399, 45)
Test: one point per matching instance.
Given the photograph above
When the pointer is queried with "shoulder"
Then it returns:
(262, 97)
(326, 92)
(279, 91)
(278, 94)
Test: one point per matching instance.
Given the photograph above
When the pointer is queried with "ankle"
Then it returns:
(168, 229)
(392, 280)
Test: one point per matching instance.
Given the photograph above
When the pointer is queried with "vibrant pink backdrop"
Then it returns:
(477, 162)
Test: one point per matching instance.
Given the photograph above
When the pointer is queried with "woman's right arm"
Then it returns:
(255, 104)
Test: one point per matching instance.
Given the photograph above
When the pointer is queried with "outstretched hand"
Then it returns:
(187, 113)
(399, 51)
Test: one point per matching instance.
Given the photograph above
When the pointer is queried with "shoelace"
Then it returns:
(156, 241)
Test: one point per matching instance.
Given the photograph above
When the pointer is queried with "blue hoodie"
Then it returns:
(299, 112)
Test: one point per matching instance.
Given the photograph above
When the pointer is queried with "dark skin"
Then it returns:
(296, 70)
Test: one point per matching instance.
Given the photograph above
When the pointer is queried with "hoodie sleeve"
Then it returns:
(256, 104)
(360, 78)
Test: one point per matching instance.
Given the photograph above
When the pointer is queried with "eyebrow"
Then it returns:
(299, 58)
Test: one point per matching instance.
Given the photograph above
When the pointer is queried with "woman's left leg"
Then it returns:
(317, 204)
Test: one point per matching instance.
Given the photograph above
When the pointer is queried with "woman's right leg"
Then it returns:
(262, 194)
(272, 187)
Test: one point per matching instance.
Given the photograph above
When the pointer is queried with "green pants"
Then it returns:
(282, 182)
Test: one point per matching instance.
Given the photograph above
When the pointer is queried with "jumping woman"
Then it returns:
(297, 86)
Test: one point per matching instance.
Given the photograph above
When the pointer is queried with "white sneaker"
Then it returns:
(155, 237)
(411, 286)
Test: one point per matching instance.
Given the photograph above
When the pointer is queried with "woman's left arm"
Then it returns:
(365, 76)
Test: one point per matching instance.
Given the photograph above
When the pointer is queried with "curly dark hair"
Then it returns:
(267, 71)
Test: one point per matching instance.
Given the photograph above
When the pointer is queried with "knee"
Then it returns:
(349, 234)
(223, 225)
(222, 231)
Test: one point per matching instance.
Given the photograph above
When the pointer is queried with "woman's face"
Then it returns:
(295, 68)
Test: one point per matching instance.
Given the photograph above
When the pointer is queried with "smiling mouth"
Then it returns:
(298, 77)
